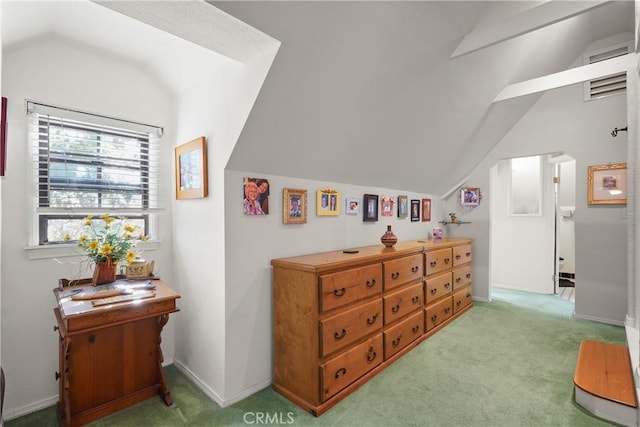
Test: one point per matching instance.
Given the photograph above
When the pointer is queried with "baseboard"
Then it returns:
(29, 409)
(222, 402)
(598, 319)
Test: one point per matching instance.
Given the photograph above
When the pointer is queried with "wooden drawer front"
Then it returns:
(398, 336)
(338, 289)
(400, 303)
(438, 287)
(461, 254)
(438, 313)
(461, 299)
(400, 271)
(461, 277)
(344, 328)
(342, 370)
(437, 261)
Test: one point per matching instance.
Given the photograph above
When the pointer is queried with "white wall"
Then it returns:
(253, 241)
(217, 109)
(67, 75)
(560, 121)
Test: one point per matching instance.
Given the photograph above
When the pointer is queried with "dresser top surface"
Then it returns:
(358, 255)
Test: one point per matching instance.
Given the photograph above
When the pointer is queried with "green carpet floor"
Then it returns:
(505, 363)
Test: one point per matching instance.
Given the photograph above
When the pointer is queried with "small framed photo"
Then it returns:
(370, 208)
(256, 196)
(328, 202)
(607, 184)
(470, 197)
(415, 210)
(426, 210)
(294, 206)
(352, 206)
(191, 169)
(387, 205)
(403, 206)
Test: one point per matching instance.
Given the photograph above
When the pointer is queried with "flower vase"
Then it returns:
(105, 272)
(388, 238)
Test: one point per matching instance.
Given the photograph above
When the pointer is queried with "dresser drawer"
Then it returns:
(401, 271)
(399, 336)
(461, 299)
(344, 287)
(461, 277)
(438, 313)
(438, 287)
(344, 328)
(437, 261)
(461, 254)
(402, 302)
(342, 370)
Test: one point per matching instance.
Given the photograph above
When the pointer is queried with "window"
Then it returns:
(525, 186)
(88, 164)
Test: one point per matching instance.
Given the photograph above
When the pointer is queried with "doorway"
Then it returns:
(531, 197)
(565, 205)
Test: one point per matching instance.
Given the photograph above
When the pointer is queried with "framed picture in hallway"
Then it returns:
(415, 210)
(370, 208)
(607, 184)
(426, 209)
(294, 207)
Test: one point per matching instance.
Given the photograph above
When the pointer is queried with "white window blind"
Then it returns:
(90, 164)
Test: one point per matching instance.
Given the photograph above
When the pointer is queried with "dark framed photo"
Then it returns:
(426, 209)
(415, 210)
(403, 206)
(191, 169)
(294, 209)
(370, 208)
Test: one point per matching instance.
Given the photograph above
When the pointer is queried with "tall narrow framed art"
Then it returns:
(191, 169)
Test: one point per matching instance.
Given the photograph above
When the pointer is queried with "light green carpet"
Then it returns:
(505, 363)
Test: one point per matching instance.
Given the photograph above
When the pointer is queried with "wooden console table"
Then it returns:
(109, 355)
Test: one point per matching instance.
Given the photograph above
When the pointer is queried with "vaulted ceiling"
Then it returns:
(360, 92)
(367, 92)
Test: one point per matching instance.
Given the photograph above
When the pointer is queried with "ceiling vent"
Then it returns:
(609, 85)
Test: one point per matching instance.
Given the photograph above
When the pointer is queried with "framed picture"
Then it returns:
(426, 210)
(470, 197)
(294, 206)
(328, 202)
(352, 206)
(191, 169)
(415, 210)
(256, 196)
(403, 206)
(3, 137)
(607, 184)
(370, 208)
(387, 205)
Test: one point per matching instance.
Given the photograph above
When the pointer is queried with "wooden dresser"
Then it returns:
(340, 318)
(110, 355)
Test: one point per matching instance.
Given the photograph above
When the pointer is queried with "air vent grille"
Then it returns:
(609, 85)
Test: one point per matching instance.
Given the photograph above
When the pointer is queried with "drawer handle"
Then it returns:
(446, 260)
(433, 263)
(447, 310)
(447, 285)
(341, 371)
(415, 299)
(468, 254)
(338, 336)
(395, 308)
(372, 355)
(434, 291)
(458, 303)
(468, 275)
(339, 292)
(396, 342)
(468, 294)
(415, 269)
(415, 329)
(458, 279)
(57, 375)
(372, 320)
(395, 275)
(434, 318)
(371, 283)
(458, 256)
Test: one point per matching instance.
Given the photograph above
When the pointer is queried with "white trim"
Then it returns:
(598, 319)
(71, 250)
